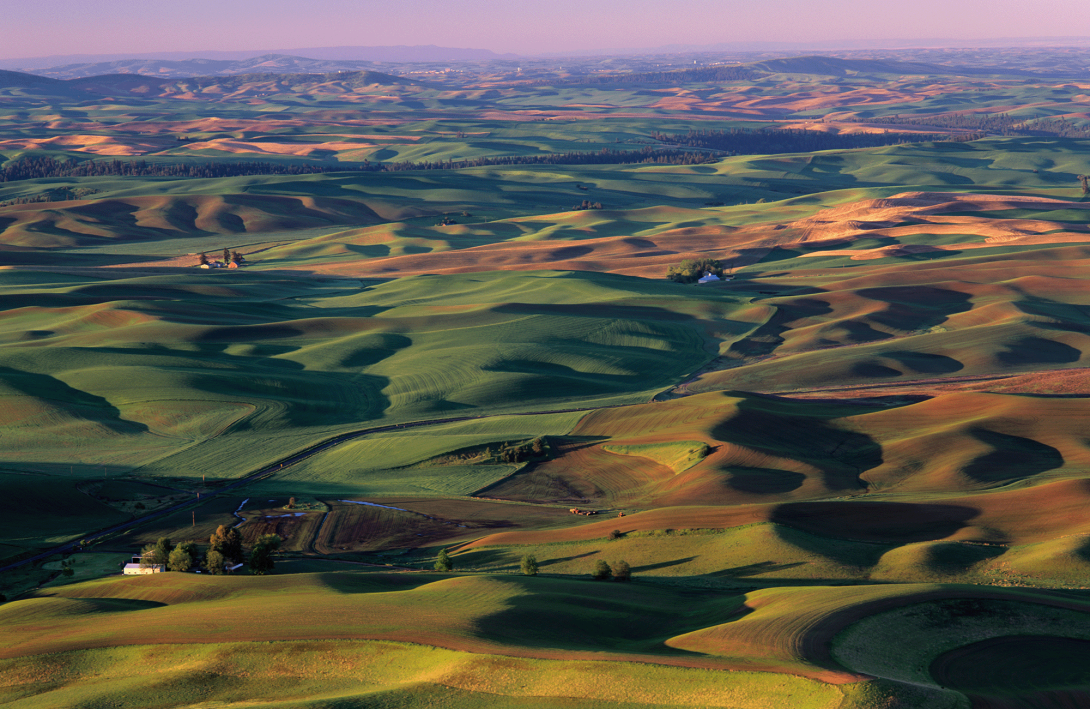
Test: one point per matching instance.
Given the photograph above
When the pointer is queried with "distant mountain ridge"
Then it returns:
(186, 64)
(18, 78)
(166, 86)
(836, 66)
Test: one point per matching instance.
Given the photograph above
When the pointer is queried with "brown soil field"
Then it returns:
(398, 523)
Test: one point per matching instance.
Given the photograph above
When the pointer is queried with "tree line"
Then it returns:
(35, 168)
(605, 156)
(993, 123)
(767, 141)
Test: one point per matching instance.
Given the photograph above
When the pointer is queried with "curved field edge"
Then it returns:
(300, 673)
(902, 643)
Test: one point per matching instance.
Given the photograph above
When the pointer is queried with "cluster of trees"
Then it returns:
(691, 270)
(224, 547)
(228, 257)
(768, 141)
(620, 571)
(586, 204)
(34, 168)
(60, 194)
(509, 452)
(993, 123)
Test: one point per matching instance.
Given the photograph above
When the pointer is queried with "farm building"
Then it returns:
(135, 568)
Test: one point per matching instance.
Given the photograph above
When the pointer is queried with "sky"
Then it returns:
(526, 27)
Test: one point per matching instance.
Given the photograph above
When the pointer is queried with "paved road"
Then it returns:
(275, 467)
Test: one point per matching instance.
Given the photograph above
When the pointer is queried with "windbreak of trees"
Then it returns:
(34, 168)
(605, 156)
(767, 141)
(993, 123)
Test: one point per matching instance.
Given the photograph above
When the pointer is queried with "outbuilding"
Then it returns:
(136, 568)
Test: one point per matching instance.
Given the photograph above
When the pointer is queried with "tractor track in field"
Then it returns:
(275, 467)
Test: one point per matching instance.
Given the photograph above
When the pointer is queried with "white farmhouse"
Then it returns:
(135, 568)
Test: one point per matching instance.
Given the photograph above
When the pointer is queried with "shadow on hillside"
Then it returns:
(1083, 552)
(925, 362)
(75, 402)
(801, 431)
(662, 564)
(765, 339)
(75, 472)
(912, 308)
(764, 480)
(761, 567)
(1012, 457)
(370, 582)
(1038, 350)
(561, 560)
(580, 614)
(855, 332)
(882, 522)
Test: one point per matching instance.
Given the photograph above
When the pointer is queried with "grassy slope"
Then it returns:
(783, 629)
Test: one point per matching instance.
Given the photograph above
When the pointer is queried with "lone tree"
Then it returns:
(621, 571)
(261, 561)
(204, 259)
(226, 255)
(616, 534)
(1085, 186)
(601, 571)
(443, 562)
(528, 565)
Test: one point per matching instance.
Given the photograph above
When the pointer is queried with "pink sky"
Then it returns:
(33, 29)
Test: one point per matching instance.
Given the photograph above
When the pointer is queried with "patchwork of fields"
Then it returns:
(851, 474)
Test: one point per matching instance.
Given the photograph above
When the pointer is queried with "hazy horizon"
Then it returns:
(524, 28)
